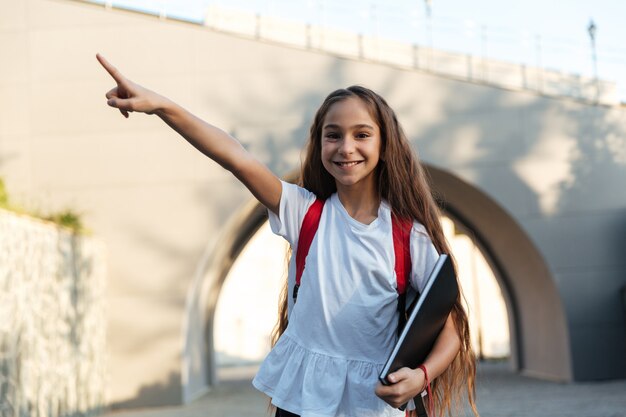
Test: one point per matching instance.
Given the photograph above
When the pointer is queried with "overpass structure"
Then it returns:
(537, 177)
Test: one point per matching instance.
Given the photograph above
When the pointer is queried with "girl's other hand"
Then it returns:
(406, 383)
(128, 96)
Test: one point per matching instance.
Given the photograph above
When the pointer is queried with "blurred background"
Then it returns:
(137, 273)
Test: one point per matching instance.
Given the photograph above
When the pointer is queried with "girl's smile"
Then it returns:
(351, 144)
(347, 164)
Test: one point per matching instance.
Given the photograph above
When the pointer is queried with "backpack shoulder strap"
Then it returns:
(401, 230)
(309, 226)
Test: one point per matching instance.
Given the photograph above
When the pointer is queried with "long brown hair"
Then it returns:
(407, 199)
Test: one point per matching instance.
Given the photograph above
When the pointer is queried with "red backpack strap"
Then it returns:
(307, 233)
(401, 230)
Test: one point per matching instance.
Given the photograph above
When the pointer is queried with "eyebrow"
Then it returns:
(357, 126)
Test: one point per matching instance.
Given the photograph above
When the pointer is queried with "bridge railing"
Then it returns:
(523, 61)
(412, 56)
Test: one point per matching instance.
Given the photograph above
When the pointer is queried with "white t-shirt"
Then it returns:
(344, 324)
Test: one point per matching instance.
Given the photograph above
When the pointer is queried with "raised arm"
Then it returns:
(218, 145)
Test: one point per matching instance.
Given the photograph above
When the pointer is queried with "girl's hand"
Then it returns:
(129, 96)
(406, 384)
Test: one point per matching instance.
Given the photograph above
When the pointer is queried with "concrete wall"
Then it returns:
(554, 167)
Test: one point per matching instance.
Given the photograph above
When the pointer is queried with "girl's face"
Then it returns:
(351, 144)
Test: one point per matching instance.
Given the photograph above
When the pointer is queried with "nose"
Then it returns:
(347, 146)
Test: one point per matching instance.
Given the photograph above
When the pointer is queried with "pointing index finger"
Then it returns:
(117, 76)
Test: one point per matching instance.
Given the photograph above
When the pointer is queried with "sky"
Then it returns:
(543, 33)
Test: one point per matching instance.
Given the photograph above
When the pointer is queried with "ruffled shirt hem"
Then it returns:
(296, 378)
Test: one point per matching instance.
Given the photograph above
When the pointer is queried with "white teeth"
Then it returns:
(347, 164)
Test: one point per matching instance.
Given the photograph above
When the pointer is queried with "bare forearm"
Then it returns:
(225, 150)
(208, 139)
(406, 383)
(444, 351)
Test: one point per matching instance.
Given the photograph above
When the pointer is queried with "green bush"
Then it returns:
(4, 197)
(66, 218)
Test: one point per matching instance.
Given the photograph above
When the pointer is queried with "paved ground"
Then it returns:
(500, 394)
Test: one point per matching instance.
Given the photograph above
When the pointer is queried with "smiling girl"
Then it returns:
(332, 343)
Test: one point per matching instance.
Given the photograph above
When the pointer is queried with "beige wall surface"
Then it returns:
(556, 167)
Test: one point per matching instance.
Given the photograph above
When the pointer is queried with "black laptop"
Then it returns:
(425, 319)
